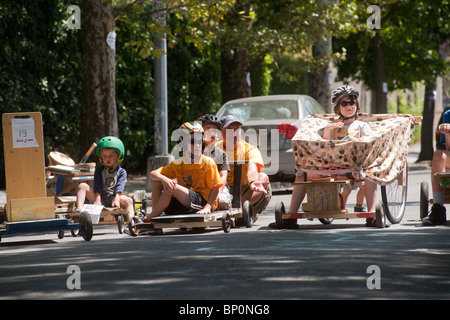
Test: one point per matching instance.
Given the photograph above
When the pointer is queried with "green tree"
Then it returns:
(404, 50)
(40, 67)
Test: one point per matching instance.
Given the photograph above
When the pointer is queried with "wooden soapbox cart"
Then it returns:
(379, 156)
(28, 209)
(238, 215)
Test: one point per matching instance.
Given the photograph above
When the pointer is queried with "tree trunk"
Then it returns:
(427, 132)
(380, 97)
(318, 79)
(235, 66)
(98, 104)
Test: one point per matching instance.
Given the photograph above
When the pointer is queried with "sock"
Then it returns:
(438, 197)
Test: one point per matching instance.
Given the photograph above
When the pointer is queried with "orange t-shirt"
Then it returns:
(200, 177)
(244, 152)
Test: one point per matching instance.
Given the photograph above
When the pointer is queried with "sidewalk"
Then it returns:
(413, 155)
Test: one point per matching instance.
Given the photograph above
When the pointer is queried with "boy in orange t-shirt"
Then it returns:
(198, 180)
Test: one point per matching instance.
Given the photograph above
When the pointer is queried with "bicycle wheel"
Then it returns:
(394, 197)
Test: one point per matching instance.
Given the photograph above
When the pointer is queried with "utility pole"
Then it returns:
(162, 156)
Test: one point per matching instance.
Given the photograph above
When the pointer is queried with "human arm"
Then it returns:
(444, 128)
(331, 126)
(168, 184)
(212, 198)
(253, 177)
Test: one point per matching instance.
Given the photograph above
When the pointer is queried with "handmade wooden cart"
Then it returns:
(28, 208)
(99, 215)
(238, 215)
(380, 157)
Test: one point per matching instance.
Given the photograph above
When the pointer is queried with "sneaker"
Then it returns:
(360, 209)
(436, 217)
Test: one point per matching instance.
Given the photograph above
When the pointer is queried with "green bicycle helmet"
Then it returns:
(113, 143)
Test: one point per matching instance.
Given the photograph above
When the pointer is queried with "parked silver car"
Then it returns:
(271, 122)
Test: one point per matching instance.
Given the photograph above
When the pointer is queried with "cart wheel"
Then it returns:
(247, 214)
(226, 222)
(132, 227)
(326, 221)
(281, 223)
(86, 230)
(75, 232)
(120, 223)
(424, 200)
(380, 218)
(394, 197)
(60, 234)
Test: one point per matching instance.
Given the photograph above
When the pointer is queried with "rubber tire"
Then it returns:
(384, 196)
(226, 223)
(86, 229)
(247, 214)
(380, 220)
(283, 223)
(120, 224)
(424, 199)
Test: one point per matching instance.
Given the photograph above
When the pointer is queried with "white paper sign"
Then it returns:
(111, 40)
(94, 211)
(23, 133)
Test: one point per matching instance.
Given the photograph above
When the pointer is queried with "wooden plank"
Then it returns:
(323, 196)
(188, 224)
(66, 199)
(324, 214)
(32, 209)
(186, 218)
(24, 166)
(442, 175)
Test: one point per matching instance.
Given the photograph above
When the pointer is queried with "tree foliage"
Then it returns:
(411, 33)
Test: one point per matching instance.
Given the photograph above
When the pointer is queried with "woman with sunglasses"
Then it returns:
(346, 105)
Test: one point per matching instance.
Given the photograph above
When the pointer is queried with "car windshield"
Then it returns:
(262, 110)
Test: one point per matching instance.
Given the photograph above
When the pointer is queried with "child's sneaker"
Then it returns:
(436, 217)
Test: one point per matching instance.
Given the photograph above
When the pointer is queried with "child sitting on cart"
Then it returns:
(255, 184)
(109, 179)
(211, 127)
(198, 180)
(346, 105)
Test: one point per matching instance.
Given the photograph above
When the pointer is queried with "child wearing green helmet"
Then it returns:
(109, 178)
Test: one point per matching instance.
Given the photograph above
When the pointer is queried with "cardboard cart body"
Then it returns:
(28, 208)
(226, 219)
(380, 157)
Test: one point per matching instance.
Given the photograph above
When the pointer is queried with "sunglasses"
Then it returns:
(346, 103)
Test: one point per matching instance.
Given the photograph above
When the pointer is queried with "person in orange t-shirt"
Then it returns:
(255, 184)
(198, 180)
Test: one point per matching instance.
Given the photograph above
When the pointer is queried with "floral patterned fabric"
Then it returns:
(380, 156)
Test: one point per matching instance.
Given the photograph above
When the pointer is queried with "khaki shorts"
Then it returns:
(262, 203)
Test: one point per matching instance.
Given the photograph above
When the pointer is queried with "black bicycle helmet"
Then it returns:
(340, 93)
(210, 119)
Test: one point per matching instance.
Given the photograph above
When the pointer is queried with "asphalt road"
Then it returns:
(344, 260)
